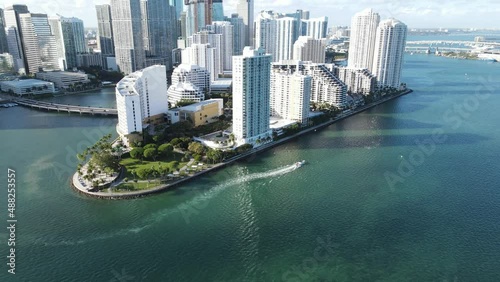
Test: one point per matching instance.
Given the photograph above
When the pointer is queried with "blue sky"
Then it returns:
(415, 13)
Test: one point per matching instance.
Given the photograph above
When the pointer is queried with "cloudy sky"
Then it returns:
(415, 13)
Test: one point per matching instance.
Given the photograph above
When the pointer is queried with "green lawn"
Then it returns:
(132, 186)
(133, 164)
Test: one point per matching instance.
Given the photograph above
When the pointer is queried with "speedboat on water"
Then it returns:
(299, 164)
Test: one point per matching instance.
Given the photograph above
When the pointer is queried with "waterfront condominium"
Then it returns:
(326, 87)
(360, 81)
(389, 50)
(307, 48)
(141, 99)
(290, 95)
(362, 41)
(251, 96)
(127, 32)
(287, 33)
(244, 8)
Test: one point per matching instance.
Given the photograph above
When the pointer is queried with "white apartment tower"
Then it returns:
(316, 28)
(216, 41)
(389, 51)
(225, 29)
(307, 48)
(251, 95)
(189, 82)
(287, 33)
(360, 81)
(290, 95)
(266, 32)
(204, 56)
(141, 98)
(326, 87)
(362, 42)
(127, 32)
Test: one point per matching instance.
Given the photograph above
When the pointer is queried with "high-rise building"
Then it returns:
(194, 74)
(141, 99)
(159, 31)
(266, 32)
(316, 28)
(217, 11)
(178, 6)
(309, 49)
(56, 28)
(290, 95)
(225, 29)
(362, 41)
(127, 33)
(287, 33)
(326, 87)
(4, 48)
(389, 50)
(204, 56)
(73, 39)
(14, 36)
(359, 81)
(198, 15)
(244, 8)
(30, 44)
(47, 46)
(238, 34)
(251, 96)
(105, 30)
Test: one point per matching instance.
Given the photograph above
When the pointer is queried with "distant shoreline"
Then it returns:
(159, 189)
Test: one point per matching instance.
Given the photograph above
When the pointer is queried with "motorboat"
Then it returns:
(299, 164)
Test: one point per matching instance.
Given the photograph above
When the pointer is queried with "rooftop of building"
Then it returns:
(222, 83)
(196, 106)
(25, 82)
(63, 73)
(126, 85)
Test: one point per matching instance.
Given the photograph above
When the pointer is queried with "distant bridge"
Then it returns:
(422, 49)
(63, 107)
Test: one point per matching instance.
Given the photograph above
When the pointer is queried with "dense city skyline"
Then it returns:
(446, 14)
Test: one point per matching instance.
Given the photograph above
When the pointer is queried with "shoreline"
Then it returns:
(262, 148)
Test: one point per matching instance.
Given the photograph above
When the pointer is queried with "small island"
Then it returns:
(169, 155)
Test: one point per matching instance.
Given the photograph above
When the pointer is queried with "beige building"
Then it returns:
(201, 113)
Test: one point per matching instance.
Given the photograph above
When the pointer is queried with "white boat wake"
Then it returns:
(197, 202)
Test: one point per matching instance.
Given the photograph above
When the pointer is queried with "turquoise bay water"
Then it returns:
(258, 220)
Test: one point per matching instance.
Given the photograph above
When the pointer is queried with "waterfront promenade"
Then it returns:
(36, 104)
(135, 194)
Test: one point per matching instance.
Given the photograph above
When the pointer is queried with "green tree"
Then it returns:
(196, 148)
(150, 153)
(137, 153)
(165, 149)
